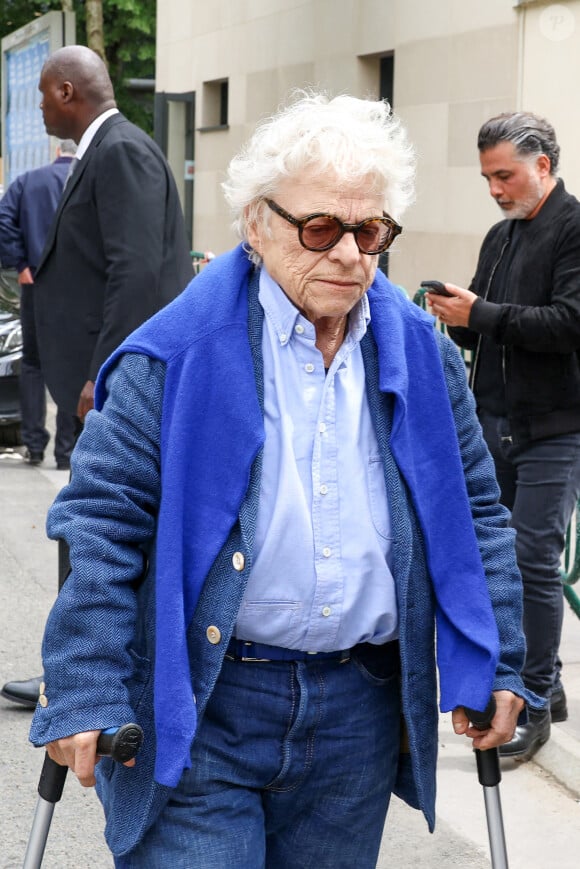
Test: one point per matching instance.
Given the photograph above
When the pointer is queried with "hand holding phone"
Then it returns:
(436, 287)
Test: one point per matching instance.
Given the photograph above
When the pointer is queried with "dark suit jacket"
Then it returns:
(116, 252)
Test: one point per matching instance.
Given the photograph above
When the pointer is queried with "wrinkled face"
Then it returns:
(517, 184)
(51, 107)
(320, 284)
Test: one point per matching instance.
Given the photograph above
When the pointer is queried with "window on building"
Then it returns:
(215, 104)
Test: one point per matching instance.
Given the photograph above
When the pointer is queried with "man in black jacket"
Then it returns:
(521, 319)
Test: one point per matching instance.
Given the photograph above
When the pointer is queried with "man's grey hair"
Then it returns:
(350, 140)
(530, 135)
(68, 146)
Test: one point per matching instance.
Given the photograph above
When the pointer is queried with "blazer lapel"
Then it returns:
(73, 182)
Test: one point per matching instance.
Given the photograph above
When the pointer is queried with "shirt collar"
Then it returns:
(89, 133)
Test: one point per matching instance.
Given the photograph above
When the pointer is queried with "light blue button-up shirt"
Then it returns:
(321, 579)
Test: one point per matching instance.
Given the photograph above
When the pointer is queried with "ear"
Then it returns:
(254, 236)
(544, 165)
(67, 91)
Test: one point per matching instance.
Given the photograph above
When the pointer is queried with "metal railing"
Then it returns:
(200, 258)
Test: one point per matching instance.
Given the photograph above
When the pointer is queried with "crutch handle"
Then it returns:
(482, 720)
(120, 743)
(488, 768)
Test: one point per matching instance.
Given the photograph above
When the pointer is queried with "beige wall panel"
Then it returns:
(461, 67)
(213, 150)
(277, 41)
(266, 89)
(189, 19)
(465, 66)
(428, 129)
(382, 24)
(344, 74)
(483, 64)
(212, 222)
(551, 72)
(335, 23)
(177, 20)
(430, 255)
(421, 77)
(377, 26)
(465, 119)
(469, 207)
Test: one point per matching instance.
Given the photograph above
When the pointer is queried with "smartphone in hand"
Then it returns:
(436, 287)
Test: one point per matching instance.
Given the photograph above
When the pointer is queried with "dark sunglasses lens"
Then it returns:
(321, 232)
(374, 236)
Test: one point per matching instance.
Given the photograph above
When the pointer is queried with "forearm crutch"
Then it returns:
(122, 744)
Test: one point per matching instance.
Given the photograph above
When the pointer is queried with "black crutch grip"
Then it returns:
(488, 768)
(119, 743)
(52, 779)
(482, 720)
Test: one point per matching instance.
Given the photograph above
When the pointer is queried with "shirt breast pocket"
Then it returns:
(378, 503)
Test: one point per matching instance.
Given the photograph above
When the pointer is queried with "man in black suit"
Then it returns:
(117, 250)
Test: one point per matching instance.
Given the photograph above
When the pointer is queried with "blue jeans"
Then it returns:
(292, 768)
(540, 484)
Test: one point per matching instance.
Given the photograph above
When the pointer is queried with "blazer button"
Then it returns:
(43, 700)
(238, 560)
(213, 634)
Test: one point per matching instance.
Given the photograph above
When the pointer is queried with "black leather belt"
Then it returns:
(241, 650)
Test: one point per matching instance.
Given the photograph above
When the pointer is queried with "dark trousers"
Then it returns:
(540, 484)
(35, 435)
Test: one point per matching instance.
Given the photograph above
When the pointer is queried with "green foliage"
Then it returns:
(17, 13)
(129, 31)
(129, 27)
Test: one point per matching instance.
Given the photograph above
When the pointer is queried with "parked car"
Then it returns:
(10, 359)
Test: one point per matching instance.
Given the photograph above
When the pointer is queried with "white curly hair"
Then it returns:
(354, 139)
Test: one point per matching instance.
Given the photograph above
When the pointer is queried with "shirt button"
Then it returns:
(238, 560)
(324, 490)
(299, 329)
(309, 367)
(327, 551)
(213, 634)
(322, 427)
(326, 611)
(283, 337)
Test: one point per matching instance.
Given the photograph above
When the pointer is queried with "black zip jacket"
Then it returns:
(538, 328)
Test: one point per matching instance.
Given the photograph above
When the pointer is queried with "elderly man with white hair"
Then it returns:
(282, 497)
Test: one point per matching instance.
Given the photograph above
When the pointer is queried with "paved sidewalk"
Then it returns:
(560, 756)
